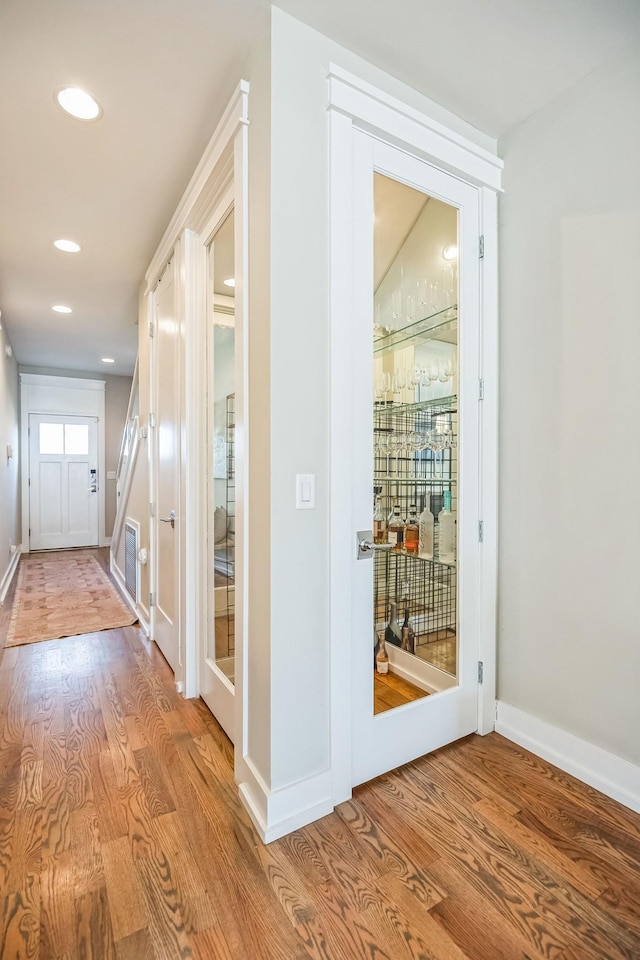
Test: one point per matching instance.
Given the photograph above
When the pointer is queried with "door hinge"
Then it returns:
(480, 671)
(481, 388)
(152, 420)
(152, 599)
(152, 510)
(152, 329)
(481, 531)
(480, 247)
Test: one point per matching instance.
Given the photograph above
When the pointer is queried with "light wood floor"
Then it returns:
(390, 690)
(121, 836)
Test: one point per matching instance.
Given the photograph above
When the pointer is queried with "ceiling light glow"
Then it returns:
(67, 246)
(78, 103)
(108, 360)
(60, 308)
(450, 252)
(230, 282)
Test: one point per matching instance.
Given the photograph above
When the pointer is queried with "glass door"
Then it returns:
(415, 682)
(217, 670)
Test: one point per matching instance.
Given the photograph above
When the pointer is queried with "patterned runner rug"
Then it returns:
(63, 595)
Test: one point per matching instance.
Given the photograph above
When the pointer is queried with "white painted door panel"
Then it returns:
(63, 487)
(166, 374)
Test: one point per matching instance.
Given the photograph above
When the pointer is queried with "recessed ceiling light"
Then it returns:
(108, 360)
(67, 246)
(450, 252)
(60, 308)
(78, 103)
(230, 282)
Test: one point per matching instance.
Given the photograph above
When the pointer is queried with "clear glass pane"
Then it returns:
(222, 432)
(76, 439)
(51, 439)
(415, 440)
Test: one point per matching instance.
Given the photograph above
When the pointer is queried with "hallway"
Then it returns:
(121, 835)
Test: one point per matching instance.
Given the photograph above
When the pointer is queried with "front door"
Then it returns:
(415, 458)
(166, 407)
(63, 481)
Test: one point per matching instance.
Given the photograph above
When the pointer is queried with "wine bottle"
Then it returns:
(379, 523)
(446, 532)
(408, 636)
(412, 531)
(425, 537)
(393, 634)
(382, 657)
(396, 531)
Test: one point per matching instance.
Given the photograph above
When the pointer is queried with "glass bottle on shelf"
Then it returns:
(379, 522)
(408, 640)
(446, 532)
(382, 657)
(411, 531)
(393, 633)
(396, 531)
(425, 536)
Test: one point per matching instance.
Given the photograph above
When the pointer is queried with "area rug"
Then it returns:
(63, 595)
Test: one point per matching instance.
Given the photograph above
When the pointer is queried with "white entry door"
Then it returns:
(63, 481)
(413, 375)
(166, 457)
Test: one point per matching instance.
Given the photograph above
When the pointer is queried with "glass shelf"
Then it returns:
(390, 409)
(433, 327)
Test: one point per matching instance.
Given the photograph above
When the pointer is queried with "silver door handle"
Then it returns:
(366, 546)
(170, 519)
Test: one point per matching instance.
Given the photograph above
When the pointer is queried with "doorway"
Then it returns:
(63, 481)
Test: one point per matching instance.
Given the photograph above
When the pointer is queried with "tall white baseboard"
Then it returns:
(140, 611)
(275, 813)
(611, 775)
(5, 583)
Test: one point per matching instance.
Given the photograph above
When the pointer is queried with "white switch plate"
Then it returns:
(305, 491)
(111, 474)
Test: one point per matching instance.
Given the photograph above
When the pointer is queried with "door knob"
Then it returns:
(170, 519)
(366, 546)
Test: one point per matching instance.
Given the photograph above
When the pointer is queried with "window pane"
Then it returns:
(51, 439)
(76, 439)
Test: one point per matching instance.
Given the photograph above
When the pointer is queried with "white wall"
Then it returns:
(289, 714)
(10, 520)
(569, 609)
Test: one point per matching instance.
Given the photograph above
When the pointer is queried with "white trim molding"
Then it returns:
(275, 813)
(9, 573)
(606, 772)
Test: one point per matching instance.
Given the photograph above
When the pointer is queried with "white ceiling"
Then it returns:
(163, 71)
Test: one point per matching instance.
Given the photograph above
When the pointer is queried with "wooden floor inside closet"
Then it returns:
(122, 836)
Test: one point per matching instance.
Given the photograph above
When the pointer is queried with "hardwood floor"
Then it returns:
(121, 836)
(390, 690)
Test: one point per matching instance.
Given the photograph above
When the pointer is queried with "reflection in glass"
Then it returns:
(221, 640)
(415, 440)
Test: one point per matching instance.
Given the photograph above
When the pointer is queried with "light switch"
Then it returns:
(305, 491)
(111, 474)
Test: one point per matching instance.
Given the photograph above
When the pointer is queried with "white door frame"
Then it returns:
(357, 105)
(225, 161)
(43, 394)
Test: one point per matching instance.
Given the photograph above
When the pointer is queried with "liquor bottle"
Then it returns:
(425, 538)
(412, 531)
(446, 532)
(393, 634)
(382, 657)
(396, 531)
(408, 642)
(379, 523)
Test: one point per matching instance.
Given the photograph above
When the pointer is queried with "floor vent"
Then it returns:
(130, 560)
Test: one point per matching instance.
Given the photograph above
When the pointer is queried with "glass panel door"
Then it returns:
(416, 478)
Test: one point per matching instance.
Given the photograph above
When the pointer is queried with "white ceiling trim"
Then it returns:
(235, 115)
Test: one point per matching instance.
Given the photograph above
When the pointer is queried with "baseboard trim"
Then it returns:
(611, 775)
(275, 813)
(9, 573)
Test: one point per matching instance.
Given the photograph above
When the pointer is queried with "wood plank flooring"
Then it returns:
(121, 836)
(390, 690)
